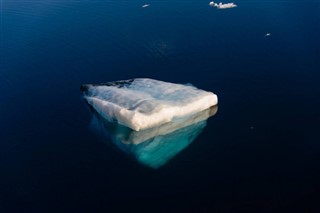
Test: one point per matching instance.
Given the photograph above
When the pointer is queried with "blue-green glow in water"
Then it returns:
(156, 146)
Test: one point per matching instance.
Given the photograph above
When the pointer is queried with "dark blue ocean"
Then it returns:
(259, 153)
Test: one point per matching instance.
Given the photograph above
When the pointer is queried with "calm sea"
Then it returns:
(259, 153)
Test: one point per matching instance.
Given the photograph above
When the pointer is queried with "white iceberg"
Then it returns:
(153, 147)
(222, 6)
(143, 103)
(145, 5)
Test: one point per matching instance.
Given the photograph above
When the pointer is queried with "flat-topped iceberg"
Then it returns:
(143, 103)
(153, 147)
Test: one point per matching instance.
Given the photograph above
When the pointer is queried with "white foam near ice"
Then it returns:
(145, 103)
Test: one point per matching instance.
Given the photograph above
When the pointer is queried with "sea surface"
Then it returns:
(259, 153)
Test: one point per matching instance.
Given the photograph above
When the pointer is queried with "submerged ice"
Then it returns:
(153, 147)
(146, 103)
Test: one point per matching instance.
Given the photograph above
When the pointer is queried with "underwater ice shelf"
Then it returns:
(153, 147)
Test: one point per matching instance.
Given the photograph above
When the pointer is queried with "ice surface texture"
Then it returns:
(143, 103)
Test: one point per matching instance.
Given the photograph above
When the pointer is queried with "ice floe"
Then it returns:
(143, 103)
(222, 6)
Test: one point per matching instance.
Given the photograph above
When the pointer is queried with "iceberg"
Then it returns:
(156, 146)
(222, 6)
(143, 103)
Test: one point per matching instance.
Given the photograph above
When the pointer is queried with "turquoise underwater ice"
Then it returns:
(156, 146)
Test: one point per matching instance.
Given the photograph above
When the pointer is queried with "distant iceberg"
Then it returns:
(222, 6)
(153, 147)
(143, 103)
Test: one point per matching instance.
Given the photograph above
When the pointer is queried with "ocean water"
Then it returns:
(259, 153)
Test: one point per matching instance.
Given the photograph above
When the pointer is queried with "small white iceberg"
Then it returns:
(145, 5)
(222, 6)
(267, 35)
(144, 103)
